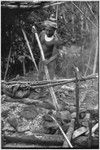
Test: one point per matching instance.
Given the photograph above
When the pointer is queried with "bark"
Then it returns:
(42, 139)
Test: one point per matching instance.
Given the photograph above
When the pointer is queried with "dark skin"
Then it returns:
(50, 31)
(50, 49)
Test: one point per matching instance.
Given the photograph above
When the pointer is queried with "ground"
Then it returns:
(22, 121)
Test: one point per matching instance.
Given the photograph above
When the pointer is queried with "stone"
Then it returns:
(65, 115)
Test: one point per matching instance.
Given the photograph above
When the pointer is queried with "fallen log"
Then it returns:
(36, 138)
(69, 133)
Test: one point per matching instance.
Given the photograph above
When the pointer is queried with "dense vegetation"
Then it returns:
(77, 24)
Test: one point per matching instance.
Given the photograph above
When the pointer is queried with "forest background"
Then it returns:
(77, 24)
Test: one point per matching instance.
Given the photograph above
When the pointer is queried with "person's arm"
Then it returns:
(58, 40)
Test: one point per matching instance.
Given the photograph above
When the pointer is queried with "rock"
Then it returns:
(7, 127)
(47, 118)
(65, 115)
(73, 115)
(50, 127)
(82, 142)
(22, 94)
(82, 115)
(24, 125)
(37, 124)
(3, 97)
(72, 109)
(29, 112)
(5, 113)
(13, 122)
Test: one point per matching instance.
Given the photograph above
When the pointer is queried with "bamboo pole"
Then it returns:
(46, 71)
(95, 59)
(69, 133)
(27, 42)
(65, 136)
(24, 70)
(77, 96)
(57, 13)
(88, 62)
(91, 10)
(48, 83)
(53, 4)
(7, 66)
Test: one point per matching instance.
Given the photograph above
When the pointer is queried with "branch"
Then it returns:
(69, 133)
(52, 4)
(91, 11)
(95, 59)
(46, 83)
(85, 15)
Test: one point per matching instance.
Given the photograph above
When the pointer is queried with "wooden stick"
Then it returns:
(88, 62)
(24, 70)
(91, 10)
(57, 13)
(52, 4)
(69, 133)
(95, 59)
(46, 71)
(65, 136)
(94, 128)
(46, 83)
(7, 66)
(33, 59)
(77, 96)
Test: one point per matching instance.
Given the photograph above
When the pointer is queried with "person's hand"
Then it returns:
(45, 62)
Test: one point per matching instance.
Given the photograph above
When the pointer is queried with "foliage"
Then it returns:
(72, 27)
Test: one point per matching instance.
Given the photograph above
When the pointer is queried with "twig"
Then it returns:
(47, 83)
(58, 3)
(69, 133)
(8, 60)
(95, 59)
(24, 70)
(66, 138)
(77, 96)
(57, 13)
(91, 11)
(88, 62)
(85, 15)
(33, 59)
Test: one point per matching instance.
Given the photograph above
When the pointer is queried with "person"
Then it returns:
(50, 42)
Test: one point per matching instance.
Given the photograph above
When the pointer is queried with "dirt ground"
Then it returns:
(23, 119)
